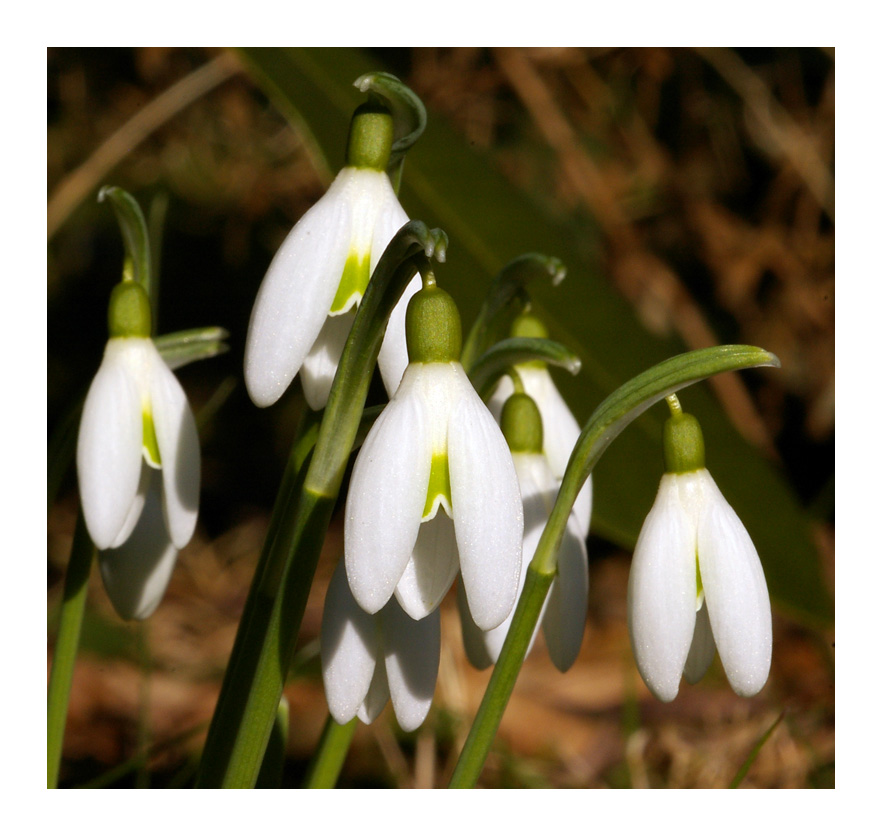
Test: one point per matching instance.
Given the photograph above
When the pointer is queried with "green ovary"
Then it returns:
(149, 442)
(439, 483)
(352, 283)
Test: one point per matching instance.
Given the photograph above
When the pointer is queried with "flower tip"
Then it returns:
(558, 271)
(574, 365)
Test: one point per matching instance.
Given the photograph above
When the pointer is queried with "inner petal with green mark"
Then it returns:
(700, 592)
(149, 444)
(352, 283)
(439, 490)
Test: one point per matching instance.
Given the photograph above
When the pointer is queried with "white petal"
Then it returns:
(560, 428)
(393, 357)
(386, 498)
(412, 655)
(702, 649)
(137, 573)
(432, 568)
(137, 506)
(487, 510)
(109, 448)
(564, 617)
(296, 295)
(377, 697)
(736, 593)
(178, 444)
(560, 433)
(662, 592)
(390, 218)
(474, 638)
(320, 364)
(349, 642)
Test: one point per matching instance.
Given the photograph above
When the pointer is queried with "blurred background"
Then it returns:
(690, 194)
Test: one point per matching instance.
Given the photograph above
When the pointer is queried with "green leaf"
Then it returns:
(489, 222)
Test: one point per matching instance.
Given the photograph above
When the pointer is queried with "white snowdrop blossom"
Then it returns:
(434, 490)
(560, 428)
(138, 465)
(308, 299)
(369, 658)
(696, 583)
(563, 617)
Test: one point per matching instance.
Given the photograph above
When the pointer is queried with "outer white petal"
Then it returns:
(137, 573)
(178, 444)
(701, 650)
(736, 593)
(560, 428)
(564, 617)
(432, 568)
(487, 509)
(349, 644)
(412, 654)
(137, 507)
(109, 447)
(377, 697)
(295, 296)
(390, 218)
(393, 357)
(386, 498)
(320, 365)
(474, 638)
(662, 592)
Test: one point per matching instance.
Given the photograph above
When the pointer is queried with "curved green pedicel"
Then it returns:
(439, 484)
(352, 283)
(149, 444)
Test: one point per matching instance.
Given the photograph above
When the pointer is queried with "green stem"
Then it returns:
(613, 415)
(66, 644)
(265, 642)
(330, 754)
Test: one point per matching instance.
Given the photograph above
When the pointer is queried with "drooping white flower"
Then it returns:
(696, 583)
(560, 428)
(369, 658)
(563, 617)
(136, 421)
(306, 303)
(434, 489)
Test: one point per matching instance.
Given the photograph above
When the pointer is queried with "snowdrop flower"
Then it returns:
(308, 299)
(137, 460)
(434, 488)
(369, 658)
(696, 581)
(563, 617)
(560, 428)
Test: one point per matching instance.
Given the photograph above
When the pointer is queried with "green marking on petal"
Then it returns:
(352, 283)
(700, 592)
(439, 489)
(149, 442)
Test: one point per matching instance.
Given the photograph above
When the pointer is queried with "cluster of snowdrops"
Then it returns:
(474, 475)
